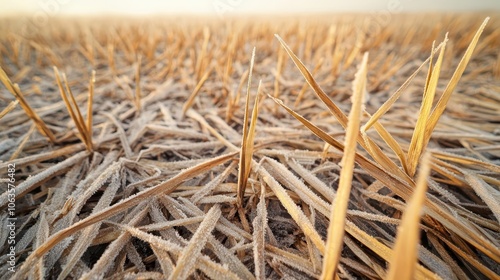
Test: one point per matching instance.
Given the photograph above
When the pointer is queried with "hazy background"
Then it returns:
(221, 7)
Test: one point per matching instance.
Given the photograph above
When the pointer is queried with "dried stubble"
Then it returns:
(183, 179)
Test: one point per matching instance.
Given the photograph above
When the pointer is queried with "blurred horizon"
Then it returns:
(235, 7)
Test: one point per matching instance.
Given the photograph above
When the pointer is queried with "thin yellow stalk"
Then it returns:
(23, 143)
(405, 255)
(9, 108)
(368, 144)
(337, 54)
(279, 69)
(314, 129)
(417, 140)
(78, 114)
(249, 147)
(304, 87)
(374, 171)
(339, 206)
(195, 92)
(245, 75)
(90, 103)
(233, 101)
(393, 144)
(111, 58)
(229, 64)
(452, 84)
(429, 71)
(73, 109)
(16, 91)
(373, 121)
(199, 61)
(253, 123)
(138, 84)
(339, 115)
(395, 96)
(355, 51)
(242, 169)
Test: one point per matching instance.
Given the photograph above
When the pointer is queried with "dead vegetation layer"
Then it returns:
(343, 147)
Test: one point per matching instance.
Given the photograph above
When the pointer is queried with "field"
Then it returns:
(331, 146)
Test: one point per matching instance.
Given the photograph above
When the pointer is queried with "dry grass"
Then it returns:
(184, 179)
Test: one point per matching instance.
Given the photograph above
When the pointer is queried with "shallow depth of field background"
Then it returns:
(221, 7)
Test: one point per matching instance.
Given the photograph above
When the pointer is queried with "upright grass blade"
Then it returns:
(279, 69)
(9, 108)
(417, 140)
(16, 91)
(339, 206)
(404, 258)
(137, 97)
(395, 96)
(195, 92)
(233, 99)
(247, 139)
(74, 111)
(373, 121)
(314, 129)
(201, 57)
(300, 96)
(402, 189)
(251, 130)
(23, 143)
(452, 84)
(339, 115)
(90, 103)
(369, 145)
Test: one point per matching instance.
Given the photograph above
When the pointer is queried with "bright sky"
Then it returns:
(217, 7)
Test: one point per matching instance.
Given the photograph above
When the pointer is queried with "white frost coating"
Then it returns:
(259, 234)
(91, 232)
(27, 185)
(187, 259)
(108, 257)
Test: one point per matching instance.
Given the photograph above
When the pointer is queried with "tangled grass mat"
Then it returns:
(181, 148)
